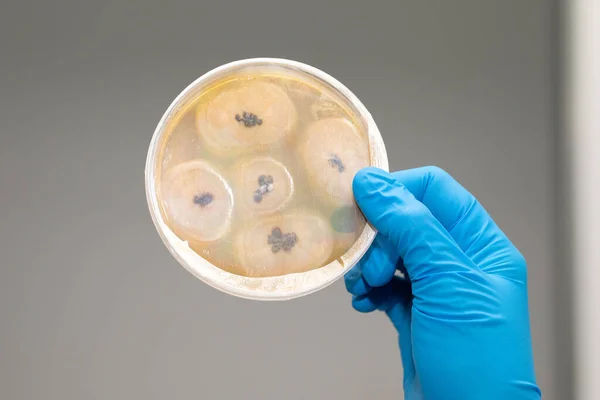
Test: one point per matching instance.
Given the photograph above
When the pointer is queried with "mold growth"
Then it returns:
(248, 119)
(345, 219)
(203, 199)
(279, 240)
(250, 133)
(336, 162)
(265, 185)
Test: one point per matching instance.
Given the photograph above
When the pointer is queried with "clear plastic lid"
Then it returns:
(249, 178)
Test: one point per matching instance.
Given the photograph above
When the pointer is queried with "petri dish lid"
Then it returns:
(249, 178)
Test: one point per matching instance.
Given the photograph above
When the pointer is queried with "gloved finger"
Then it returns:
(354, 281)
(461, 215)
(379, 264)
(400, 315)
(376, 268)
(395, 299)
(425, 247)
(383, 298)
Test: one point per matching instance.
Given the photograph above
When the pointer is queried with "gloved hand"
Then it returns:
(462, 315)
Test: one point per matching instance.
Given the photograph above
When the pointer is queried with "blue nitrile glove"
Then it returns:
(462, 317)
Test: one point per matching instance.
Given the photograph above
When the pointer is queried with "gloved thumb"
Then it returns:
(424, 245)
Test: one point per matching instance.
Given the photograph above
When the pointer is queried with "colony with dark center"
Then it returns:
(336, 162)
(279, 240)
(203, 199)
(248, 119)
(265, 185)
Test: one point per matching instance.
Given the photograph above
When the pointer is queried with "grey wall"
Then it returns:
(92, 306)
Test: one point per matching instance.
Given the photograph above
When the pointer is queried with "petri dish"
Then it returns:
(249, 178)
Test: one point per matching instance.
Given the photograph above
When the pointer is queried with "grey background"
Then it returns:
(92, 306)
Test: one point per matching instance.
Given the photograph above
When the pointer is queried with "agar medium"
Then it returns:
(249, 178)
